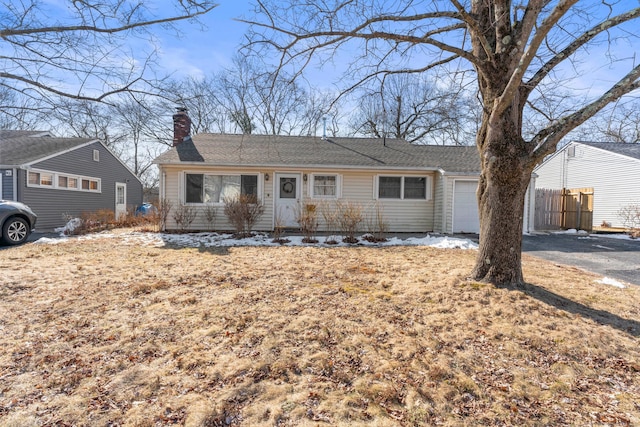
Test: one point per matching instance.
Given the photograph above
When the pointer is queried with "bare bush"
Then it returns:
(330, 218)
(100, 220)
(349, 215)
(184, 216)
(164, 207)
(278, 228)
(243, 212)
(377, 227)
(210, 215)
(630, 216)
(307, 218)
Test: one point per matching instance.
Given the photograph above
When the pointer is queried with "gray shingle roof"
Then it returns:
(630, 150)
(294, 151)
(8, 134)
(24, 147)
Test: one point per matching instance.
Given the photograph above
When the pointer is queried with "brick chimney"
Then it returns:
(181, 126)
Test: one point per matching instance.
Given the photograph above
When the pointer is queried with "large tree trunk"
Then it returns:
(503, 184)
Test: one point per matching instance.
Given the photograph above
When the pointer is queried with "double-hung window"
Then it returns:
(207, 188)
(325, 186)
(403, 187)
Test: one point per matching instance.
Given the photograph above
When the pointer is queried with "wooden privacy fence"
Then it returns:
(564, 209)
(548, 215)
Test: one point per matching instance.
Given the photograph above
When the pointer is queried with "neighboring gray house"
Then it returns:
(611, 169)
(61, 177)
(420, 188)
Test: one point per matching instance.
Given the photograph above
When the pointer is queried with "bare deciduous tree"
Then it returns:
(620, 124)
(16, 112)
(248, 97)
(78, 50)
(512, 47)
(85, 119)
(413, 108)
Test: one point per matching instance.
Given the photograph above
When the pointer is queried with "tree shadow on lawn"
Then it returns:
(631, 327)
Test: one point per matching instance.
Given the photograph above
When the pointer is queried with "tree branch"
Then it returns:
(515, 80)
(9, 32)
(577, 43)
(547, 139)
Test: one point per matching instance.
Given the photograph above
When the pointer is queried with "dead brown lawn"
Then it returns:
(105, 332)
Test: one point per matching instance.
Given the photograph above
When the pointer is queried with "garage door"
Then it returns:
(465, 207)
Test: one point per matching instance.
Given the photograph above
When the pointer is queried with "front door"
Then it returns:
(121, 199)
(287, 199)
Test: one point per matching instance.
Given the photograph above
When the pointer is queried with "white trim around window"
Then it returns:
(325, 186)
(403, 187)
(212, 187)
(38, 178)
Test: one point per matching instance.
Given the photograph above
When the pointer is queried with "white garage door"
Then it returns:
(465, 207)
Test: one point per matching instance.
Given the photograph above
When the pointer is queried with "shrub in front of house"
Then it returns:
(349, 216)
(377, 226)
(183, 216)
(307, 218)
(210, 214)
(243, 212)
(100, 220)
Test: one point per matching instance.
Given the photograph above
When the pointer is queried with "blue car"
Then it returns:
(17, 221)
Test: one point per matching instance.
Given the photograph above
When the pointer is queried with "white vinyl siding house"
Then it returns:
(611, 169)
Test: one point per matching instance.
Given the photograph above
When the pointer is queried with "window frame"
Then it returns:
(183, 193)
(427, 190)
(312, 187)
(94, 182)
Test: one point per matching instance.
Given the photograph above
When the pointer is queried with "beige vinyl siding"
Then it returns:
(448, 204)
(439, 183)
(400, 215)
(356, 187)
(448, 199)
(174, 193)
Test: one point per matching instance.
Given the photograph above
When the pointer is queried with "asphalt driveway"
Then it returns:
(615, 258)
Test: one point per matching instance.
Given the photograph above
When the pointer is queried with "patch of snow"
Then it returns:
(69, 227)
(195, 240)
(570, 231)
(620, 236)
(603, 247)
(50, 241)
(611, 282)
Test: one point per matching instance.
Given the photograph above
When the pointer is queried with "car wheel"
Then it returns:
(15, 231)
